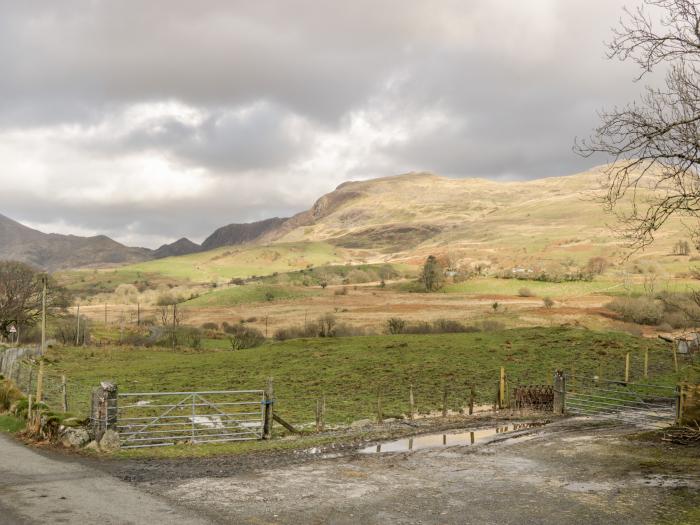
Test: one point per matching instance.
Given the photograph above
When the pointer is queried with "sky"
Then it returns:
(149, 120)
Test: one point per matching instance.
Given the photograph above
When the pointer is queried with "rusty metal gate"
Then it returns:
(153, 419)
(641, 404)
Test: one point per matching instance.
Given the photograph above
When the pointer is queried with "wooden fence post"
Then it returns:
(380, 415)
(627, 367)
(29, 407)
(40, 382)
(320, 413)
(64, 391)
(559, 389)
(502, 388)
(444, 401)
(269, 399)
(646, 363)
(411, 403)
(471, 399)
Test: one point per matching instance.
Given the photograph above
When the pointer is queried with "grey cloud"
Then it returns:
(225, 141)
(515, 82)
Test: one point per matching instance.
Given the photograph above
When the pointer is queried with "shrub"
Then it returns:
(525, 292)
(396, 325)
(9, 394)
(242, 337)
(341, 291)
(641, 310)
(548, 302)
(296, 332)
(326, 325)
(210, 326)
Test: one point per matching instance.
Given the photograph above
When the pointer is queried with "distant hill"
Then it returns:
(234, 234)
(53, 251)
(182, 246)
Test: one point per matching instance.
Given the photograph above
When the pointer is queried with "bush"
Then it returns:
(641, 310)
(210, 326)
(548, 302)
(396, 325)
(296, 332)
(525, 292)
(9, 394)
(440, 326)
(341, 291)
(242, 337)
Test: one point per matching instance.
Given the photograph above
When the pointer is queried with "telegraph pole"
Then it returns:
(43, 315)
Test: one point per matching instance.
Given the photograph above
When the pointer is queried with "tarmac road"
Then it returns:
(36, 489)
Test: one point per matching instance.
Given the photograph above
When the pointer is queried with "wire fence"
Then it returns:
(58, 391)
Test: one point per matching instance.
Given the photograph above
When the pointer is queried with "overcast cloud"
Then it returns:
(147, 120)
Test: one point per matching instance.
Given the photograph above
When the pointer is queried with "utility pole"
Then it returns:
(43, 314)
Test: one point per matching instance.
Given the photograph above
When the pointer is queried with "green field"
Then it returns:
(351, 371)
(250, 293)
(243, 262)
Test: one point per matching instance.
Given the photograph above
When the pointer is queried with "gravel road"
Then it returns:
(36, 488)
(571, 471)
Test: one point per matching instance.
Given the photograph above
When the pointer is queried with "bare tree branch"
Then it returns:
(654, 143)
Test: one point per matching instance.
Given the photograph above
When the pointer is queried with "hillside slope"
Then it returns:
(52, 251)
(408, 216)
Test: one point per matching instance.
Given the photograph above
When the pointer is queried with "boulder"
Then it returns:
(109, 441)
(92, 446)
(74, 437)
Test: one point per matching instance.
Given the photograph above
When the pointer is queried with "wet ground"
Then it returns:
(572, 471)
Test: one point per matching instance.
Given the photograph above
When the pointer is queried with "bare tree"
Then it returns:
(21, 293)
(654, 142)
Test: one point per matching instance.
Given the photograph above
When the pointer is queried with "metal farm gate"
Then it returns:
(152, 419)
(641, 404)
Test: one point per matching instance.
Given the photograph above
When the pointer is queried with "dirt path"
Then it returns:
(567, 472)
(37, 489)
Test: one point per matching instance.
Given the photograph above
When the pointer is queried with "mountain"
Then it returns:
(407, 216)
(234, 234)
(182, 246)
(53, 251)
(397, 218)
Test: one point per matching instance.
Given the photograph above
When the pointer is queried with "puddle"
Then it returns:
(446, 439)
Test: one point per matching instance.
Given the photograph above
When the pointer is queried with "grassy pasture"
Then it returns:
(230, 262)
(350, 371)
(251, 293)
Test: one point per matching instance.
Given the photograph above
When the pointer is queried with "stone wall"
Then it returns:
(10, 358)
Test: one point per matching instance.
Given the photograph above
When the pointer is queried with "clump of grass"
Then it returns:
(9, 394)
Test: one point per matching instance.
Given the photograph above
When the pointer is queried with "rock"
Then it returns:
(72, 422)
(74, 437)
(110, 441)
(92, 446)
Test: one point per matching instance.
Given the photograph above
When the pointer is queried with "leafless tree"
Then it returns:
(654, 142)
(21, 295)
